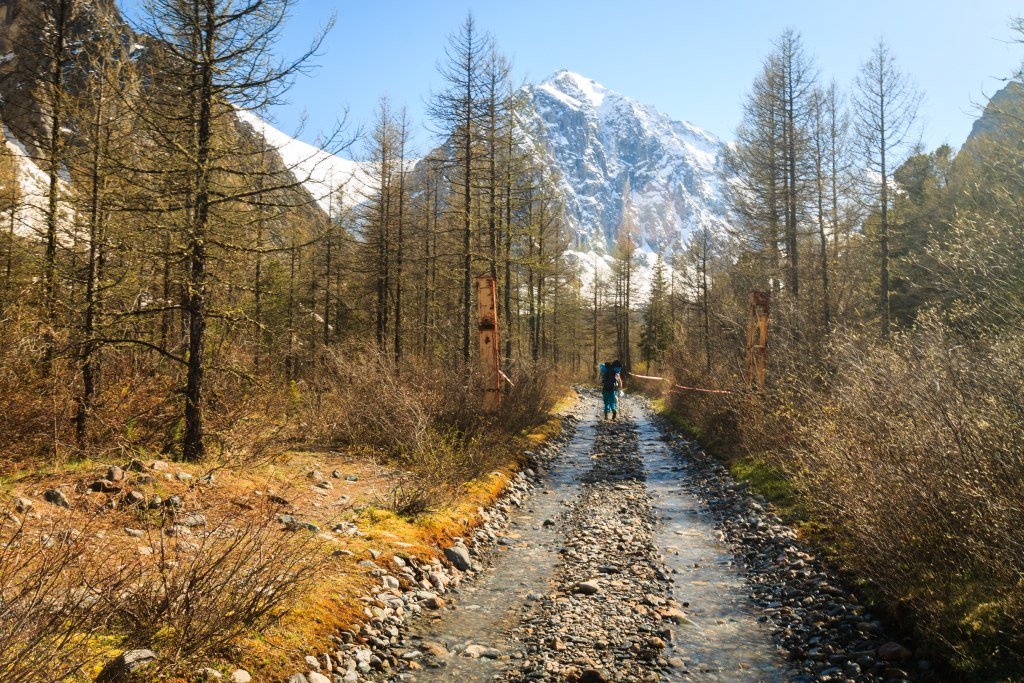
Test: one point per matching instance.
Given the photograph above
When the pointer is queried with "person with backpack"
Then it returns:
(611, 384)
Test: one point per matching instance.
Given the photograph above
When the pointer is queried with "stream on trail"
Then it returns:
(725, 641)
(519, 571)
(722, 640)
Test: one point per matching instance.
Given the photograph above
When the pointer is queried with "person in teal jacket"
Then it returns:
(611, 384)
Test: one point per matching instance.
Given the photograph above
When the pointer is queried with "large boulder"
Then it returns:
(458, 555)
(125, 665)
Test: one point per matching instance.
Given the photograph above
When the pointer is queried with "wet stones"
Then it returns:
(599, 625)
(383, 648)
(475, 651)
(434, 602)
(827, 633)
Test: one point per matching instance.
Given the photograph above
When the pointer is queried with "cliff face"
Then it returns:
(1001, 115)
(25, 64)
(605, 144)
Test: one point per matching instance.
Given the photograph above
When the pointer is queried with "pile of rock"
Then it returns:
(379, 649)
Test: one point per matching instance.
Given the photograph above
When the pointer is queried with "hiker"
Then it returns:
(611, 384)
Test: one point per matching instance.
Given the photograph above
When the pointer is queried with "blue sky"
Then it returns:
(692, 59)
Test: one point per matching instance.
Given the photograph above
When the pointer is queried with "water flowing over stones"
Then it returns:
(624, 553)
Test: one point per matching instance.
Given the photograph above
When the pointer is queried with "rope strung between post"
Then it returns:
(633, 374)
(677, 387)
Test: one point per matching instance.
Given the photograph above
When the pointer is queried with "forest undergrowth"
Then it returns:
(904, 460)
(237, 560)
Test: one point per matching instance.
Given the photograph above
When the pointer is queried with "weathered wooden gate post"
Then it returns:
(757, 339)
(487, 313)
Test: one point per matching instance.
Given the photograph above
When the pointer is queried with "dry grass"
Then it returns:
(910, 455)
(238, 590)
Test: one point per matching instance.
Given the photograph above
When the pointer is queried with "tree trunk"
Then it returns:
(400, 246)
(59, 38)
(89, 360)
(192, 447)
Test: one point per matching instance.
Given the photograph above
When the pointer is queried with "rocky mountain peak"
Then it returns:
(604, 144)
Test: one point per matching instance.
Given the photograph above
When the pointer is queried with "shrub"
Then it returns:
(911, 452)
(428, 420)
(55, 598)
(201, 592)
(915, 450)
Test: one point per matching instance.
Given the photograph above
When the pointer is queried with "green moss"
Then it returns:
(766, 479)
(769, 480)
(661, 407)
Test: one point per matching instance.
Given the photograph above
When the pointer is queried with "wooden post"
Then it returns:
(757, 339)
(487, 313)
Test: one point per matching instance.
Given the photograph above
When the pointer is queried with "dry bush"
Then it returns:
(54, 598)
(202, 591)
(916, 453)
(536, 389)
(912, 454)
(432, 476)
(247, 419)
(466, 442)
(427, 419)
(137, 405)
(362, 398)
(355, 397)
(35, 406)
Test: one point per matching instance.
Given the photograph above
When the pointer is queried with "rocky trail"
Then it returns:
(624, 554)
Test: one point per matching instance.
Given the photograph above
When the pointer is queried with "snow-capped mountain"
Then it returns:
(598, 141)
(602, 142)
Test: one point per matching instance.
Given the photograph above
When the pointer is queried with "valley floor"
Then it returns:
(631, 556)
(621, 552)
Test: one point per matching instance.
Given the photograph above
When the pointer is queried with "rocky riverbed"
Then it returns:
(624, 553)
(391, 644)
(827, 634)
(608, 617)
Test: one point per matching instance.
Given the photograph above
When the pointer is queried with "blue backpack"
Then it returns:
(608, 376)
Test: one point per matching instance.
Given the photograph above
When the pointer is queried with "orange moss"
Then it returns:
(333, 603)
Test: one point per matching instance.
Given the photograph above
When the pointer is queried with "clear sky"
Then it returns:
(692, 59)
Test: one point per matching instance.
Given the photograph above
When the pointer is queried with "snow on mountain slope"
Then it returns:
(33, 188)
(327, 177)
(602, 142)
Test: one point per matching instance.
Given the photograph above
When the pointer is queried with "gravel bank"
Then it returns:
(609, 617)
(826, 631)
